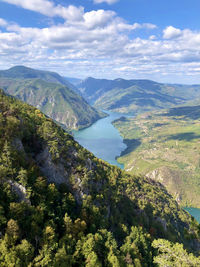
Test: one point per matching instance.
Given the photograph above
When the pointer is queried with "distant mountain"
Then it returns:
(51, 93)
(135, 95)
(92, 89)
(73, 81)
(61, 206)
(22, 72)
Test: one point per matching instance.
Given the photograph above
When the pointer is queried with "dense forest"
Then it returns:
(61, 206)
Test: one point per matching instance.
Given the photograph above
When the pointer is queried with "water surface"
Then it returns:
(194, 212)
(103, 139)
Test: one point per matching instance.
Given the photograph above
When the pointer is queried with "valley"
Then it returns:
(99, 133)
(60, 205)
(104, 141)
(174, 160)
(160, 147)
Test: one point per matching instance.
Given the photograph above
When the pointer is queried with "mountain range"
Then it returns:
(65, 102)
(135, 96)
(51, 93)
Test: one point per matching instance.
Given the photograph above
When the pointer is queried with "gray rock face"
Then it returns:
(20, 191)
(55, 173)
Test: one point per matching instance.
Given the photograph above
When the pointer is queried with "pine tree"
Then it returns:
(6, 162)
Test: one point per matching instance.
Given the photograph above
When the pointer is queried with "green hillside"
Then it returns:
(130, 96)
(61, 206)
(49, 92)
(165, 146)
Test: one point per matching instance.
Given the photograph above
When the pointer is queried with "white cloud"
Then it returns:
(105, 1)
(70, 13)
(170, 32)
(152, 37)
(48, 8)
(144, 26)
(42, 6)
(3, 22)
(96, 44)
(98, 18)
(99, 42)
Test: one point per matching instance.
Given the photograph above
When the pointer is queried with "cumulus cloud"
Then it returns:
(98, 18)
(170, 32)
(42, 6)
(96, 44)
(105, 1)
(92, 36)
(99, 43)
(48, 8)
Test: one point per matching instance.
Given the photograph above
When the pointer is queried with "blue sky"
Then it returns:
(132, 39)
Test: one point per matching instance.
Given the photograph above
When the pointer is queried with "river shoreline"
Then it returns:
(105, 142)
(195, 212)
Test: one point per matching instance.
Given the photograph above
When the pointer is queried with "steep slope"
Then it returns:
(61, 206)
(165, 146)
(135, 95)
(49, 92)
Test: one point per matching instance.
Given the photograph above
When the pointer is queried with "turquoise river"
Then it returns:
(105, 142)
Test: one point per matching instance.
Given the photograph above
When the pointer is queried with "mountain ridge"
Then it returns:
(50, 92)
(23, 72)
(142, 94)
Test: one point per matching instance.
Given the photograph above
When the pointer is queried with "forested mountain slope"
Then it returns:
(61, 206)
(135, 95)
(165, 146)
(51, 93)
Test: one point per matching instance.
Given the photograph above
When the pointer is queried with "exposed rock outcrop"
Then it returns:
(56, 173)
(20, 191)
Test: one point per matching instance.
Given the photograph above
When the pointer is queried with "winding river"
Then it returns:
(105, 142)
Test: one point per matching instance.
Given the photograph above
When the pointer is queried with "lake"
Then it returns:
(105, 142)
(103, 139)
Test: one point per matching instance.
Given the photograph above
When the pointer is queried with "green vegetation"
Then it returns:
(52, 94)
(165, 146)
(131, 96)
(61, 206)
(173, 255)
(135, 99)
